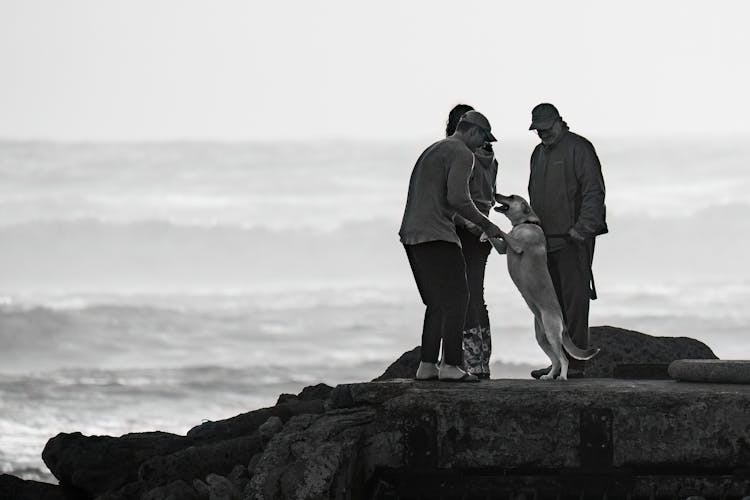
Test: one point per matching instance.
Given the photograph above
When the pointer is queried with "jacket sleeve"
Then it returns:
(591, 219)
(459, 197)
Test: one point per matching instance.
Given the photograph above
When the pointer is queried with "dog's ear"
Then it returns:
(526, 209)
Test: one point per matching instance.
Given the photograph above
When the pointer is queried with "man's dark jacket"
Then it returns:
(566, 188)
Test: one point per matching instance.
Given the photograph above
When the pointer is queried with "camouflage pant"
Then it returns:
(477, 349)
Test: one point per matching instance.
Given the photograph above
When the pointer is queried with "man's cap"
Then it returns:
(543, 116)
(478, 120)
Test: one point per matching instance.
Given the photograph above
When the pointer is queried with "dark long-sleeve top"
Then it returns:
(566, 188)
(439, 188)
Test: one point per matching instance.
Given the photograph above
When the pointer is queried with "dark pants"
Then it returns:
(477, 335)
(440, 273)
(475, 257)
(570, 271)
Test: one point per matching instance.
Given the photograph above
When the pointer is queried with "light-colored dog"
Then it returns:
(528, 270)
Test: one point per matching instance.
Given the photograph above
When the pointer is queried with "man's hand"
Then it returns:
(575, 236)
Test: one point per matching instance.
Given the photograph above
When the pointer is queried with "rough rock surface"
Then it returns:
(177, 490)
(14, 488)
(619, 347)
(623, 347)
(316, 456)
(711, 370)
(404, 367)
(199, 461)
(96, 464)
(403, 427)
(247, 423)
(161, 465)
(383, 438)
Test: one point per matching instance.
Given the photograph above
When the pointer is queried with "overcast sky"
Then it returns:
(243, 70)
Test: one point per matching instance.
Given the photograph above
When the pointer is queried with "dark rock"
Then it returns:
(134, 464)
(309, 393)
(177, 490)
(316, 456)
(286, 398)
(98, 464)
(239, 476)
(253, 463)
(128, 492)
(15, 488)
(711, 371)
(221, 488)
(199, 461)
(404, 367)
(313, 392)
(397, 428)
(269, 428)
(340, 397)
(620, 346)
(247, 423)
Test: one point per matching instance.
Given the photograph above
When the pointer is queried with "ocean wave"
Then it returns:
(245, 185)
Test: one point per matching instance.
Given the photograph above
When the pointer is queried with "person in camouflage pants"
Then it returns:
(477, 336)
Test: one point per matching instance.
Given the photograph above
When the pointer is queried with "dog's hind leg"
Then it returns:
(541, 339)
(553, 329)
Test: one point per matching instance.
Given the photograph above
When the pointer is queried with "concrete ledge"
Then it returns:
(711, 371)
(551, 424)
(420, 439)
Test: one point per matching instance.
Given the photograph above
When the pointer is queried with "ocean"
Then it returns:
(155, 286)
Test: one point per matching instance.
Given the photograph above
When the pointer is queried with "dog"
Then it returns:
(528, 270)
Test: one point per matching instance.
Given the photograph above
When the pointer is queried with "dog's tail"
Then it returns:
(575, 351)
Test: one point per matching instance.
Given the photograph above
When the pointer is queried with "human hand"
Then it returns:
(575, 236)
(499, 245)
(473, 228)
(493, 232)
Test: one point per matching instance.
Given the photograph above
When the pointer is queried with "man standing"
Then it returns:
(566, 190)
(438, 189)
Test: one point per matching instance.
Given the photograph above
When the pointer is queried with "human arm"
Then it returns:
(588, 170)
(459, 197)
(468, 225)
(500, 245)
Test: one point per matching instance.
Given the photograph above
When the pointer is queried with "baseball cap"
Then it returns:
(479, 120)
(543, 116)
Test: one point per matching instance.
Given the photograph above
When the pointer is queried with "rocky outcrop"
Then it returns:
(159, 465)
(97, 464)
(404, 367)
(316, 456)
(622, 349)
(623, 354)
(403, 438)
(13, 488)
(407, 438)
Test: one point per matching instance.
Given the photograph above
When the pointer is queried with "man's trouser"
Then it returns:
(440, 273)
(570, 270)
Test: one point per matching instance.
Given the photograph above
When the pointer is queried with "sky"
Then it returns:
(100, 70)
